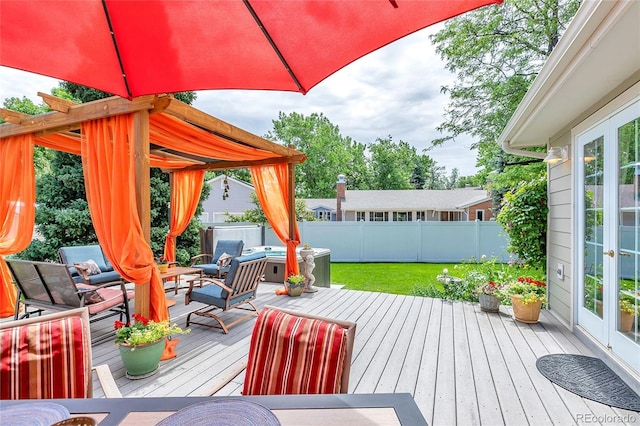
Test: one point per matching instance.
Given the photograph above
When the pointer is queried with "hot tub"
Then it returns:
(276, 269)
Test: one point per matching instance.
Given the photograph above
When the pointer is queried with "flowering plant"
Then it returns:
(491, 289)
(145, 331)
(161, 259)
(628, 307)
(530, 289)
(295, 279)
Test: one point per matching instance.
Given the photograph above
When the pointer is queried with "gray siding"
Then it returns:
(560, 237)
(238, 202)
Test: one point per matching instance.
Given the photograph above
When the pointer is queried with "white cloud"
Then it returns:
(393, 91)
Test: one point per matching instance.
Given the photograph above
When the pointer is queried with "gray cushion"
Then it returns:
(79, 254)
(232, 247)
(235, 262)
(212, 268)
(104, 277)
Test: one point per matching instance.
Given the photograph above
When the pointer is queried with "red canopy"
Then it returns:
(161, 46)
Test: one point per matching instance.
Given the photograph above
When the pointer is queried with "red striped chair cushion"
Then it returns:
(294, 355)
(44, 360)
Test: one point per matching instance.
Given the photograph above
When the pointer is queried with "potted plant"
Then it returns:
(295, 285)
(527, 296)
(142, 343)
(628, 313)
(489, 296)
(163, 264)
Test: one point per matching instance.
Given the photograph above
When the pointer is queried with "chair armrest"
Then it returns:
(224, 379)
(219, 283)
(107, 383)
(198, 259)
(192, 282)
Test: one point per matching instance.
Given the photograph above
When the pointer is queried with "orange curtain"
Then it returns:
(185, 194)
(17, 209)
(71, 145)
(109, 172)
(272, 189)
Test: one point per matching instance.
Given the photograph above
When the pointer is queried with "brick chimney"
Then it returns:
(340, 187)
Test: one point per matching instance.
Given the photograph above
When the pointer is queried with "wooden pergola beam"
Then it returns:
(56, 103)
(228, 165)
(53, 122)
(201, 119)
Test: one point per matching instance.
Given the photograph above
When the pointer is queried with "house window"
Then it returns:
(361, 216)
(378, 216)
(420, 216)
(480, 215)
(450, 216)
(323, 215)
(402, 216)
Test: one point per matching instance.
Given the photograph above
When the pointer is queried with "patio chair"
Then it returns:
(215, 267)
(238, 289)
(50, 357)
(295, 353)
(50, 286)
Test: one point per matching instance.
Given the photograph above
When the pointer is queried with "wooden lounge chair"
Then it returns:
(50, 286)
(306, 354)
(49, 357)
(208, 262)
(238, 289)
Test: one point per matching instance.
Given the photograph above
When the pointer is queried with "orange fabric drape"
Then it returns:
(185, 194)
(71, 145)
(272, 189)
(109, 172)
(17, 209)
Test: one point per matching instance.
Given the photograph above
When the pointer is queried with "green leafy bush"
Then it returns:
(524, 217)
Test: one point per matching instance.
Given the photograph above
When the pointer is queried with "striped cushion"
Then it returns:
(294, 355)
(44, 360)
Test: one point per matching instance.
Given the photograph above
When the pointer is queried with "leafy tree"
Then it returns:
(453, 181)
(62, 216)
(496, 52)
(328, 154)
(524, 217)
(392, 165)
(41, 156)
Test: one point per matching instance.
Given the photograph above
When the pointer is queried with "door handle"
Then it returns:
(610, 253)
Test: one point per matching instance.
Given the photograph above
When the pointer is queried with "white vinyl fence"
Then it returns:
(448, 242)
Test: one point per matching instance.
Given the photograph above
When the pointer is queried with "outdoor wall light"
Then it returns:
(588, 156)
(556, 155)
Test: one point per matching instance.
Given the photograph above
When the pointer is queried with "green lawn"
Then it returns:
(395, 278)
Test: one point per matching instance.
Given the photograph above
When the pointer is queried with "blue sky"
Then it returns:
(393, 91)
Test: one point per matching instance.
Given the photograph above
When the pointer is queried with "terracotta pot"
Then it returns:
(489, 303)
(626, 322)
(141, 361)
(528, 313)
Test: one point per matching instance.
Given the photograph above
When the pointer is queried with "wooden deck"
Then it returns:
(461, 365)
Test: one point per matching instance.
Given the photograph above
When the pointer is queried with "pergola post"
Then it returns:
(143, 198)
(292, 201)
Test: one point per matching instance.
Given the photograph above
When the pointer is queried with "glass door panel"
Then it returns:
(628, 289)
(593, 193)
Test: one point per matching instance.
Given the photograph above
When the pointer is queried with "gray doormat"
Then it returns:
(590, 378)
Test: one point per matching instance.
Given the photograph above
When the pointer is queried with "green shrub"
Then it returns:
(524, 218)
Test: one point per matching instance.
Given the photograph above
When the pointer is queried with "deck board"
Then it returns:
(460, 364)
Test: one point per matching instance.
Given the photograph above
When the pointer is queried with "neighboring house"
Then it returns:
(410, 205)
(584, 106)
(236, 203)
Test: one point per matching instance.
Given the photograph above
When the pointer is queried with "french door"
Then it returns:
(608, 218)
